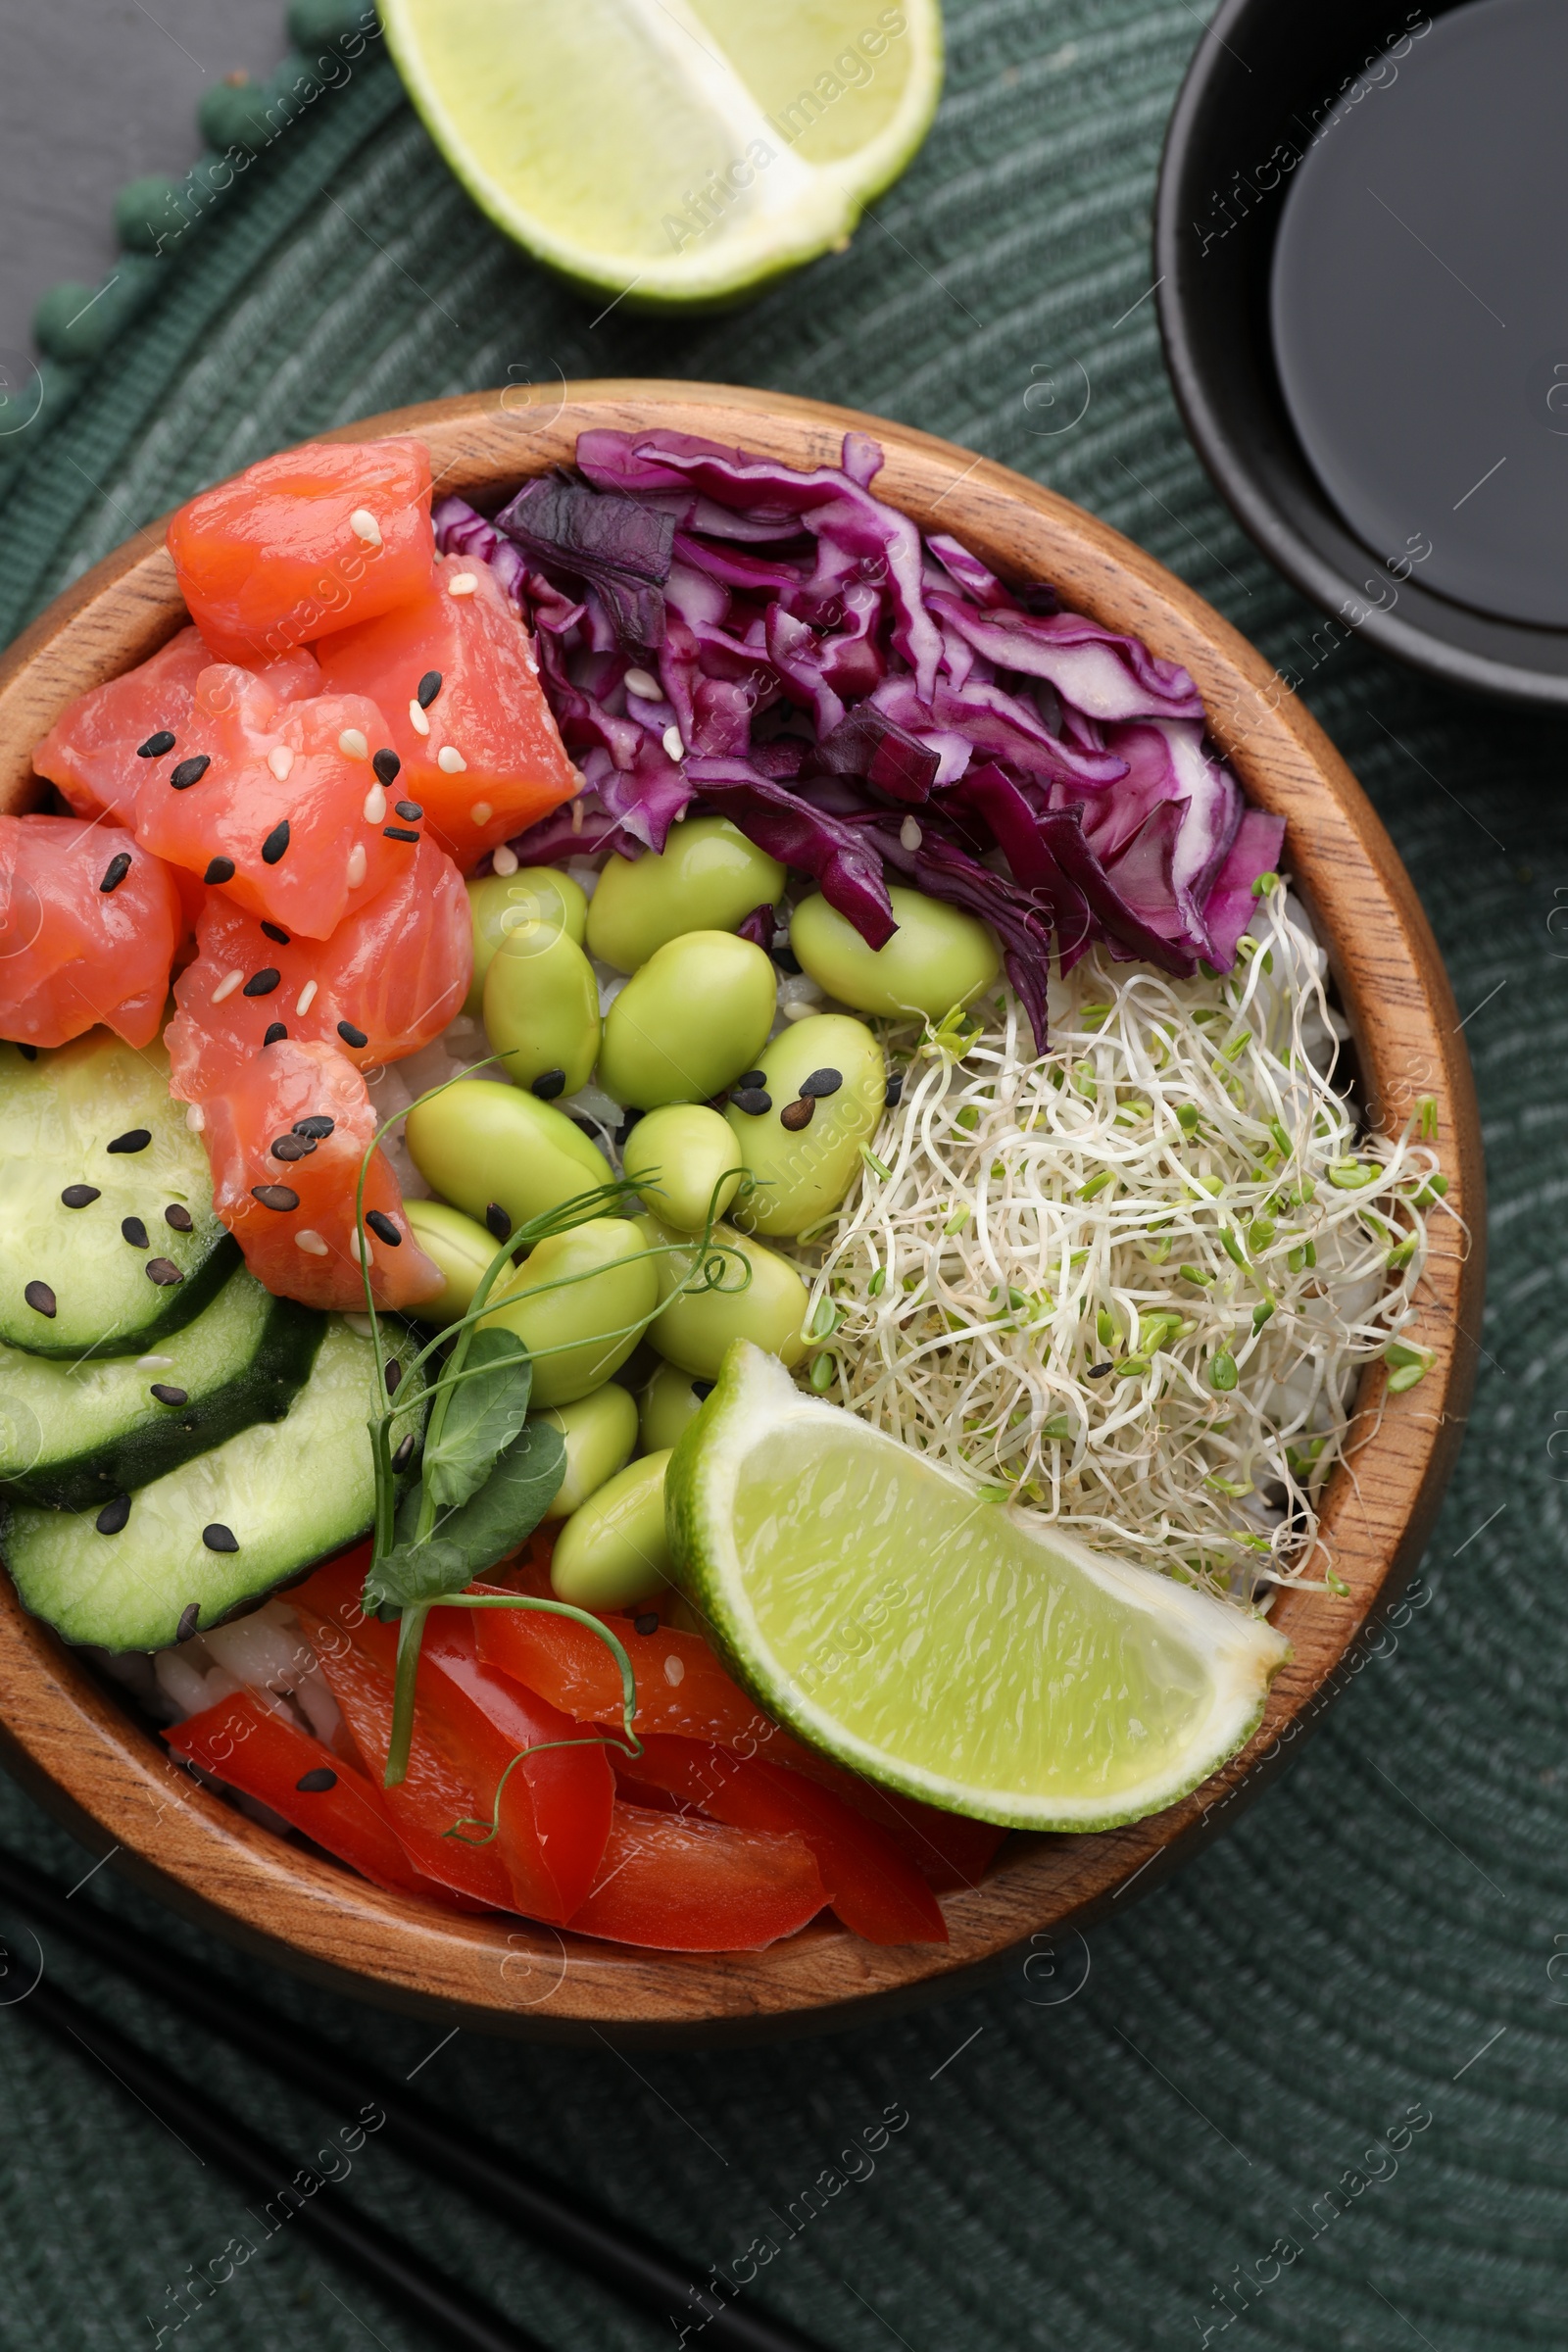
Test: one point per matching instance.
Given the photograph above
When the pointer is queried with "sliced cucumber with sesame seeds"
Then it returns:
(109, 1239)
(153, 1567)
(73, 1435)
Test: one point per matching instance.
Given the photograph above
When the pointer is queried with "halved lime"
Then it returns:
(936, 1642)
(673, 151)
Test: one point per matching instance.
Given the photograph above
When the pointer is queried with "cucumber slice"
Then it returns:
(73, 1435)
(76, 1281)
(286, 1494)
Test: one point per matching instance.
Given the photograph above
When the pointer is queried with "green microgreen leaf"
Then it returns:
(486, 1409)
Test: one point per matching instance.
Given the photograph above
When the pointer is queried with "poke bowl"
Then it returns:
(1145, 1261)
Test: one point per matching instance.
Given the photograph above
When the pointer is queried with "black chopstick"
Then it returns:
(565, 2222)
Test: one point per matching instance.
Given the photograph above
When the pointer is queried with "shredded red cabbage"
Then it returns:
(827, 673)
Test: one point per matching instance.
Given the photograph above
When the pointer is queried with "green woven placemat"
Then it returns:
(1323, 2073)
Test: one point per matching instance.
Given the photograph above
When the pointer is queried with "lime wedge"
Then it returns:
(674, 151)
(934, 1640)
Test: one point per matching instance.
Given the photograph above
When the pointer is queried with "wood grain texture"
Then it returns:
(81, 1754)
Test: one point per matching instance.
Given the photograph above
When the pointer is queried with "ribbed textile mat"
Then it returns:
(1313, 2091)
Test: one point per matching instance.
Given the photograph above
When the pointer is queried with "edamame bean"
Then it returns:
(490, 1148)
(502, 904)
(938, 957)
(670, 1400)
(825, 1083)
(600, 1431)
(541, 1011)
(695, 1329)
(613, 1550)
(679, 1159)
(461, 1248)
(579, 1332)
(688, 1022)
(709, 878)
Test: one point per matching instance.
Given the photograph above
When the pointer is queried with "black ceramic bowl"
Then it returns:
(1260, 89)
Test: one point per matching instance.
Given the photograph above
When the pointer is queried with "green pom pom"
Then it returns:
(71, 322)
(146, 212)
(318, 24)
(233, 113)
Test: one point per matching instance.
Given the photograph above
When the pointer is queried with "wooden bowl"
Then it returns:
(109, 1779)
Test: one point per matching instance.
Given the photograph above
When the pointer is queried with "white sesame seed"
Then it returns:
(417, 720)
(462, 583)
(353, 745)
(504, 860)
(305, 1000)
(675, 1670)
(195, 1117)
(361, 1326)
(281, 760)
(647, 689)
(154, 1363)
(226, 986)
(450, 761)
(311, 1243)
(909, 834)
(797, 1011)
(363, 525)
(375, 804)
(360, 1248)
(481, 812)
(576, 817)
(357, 864)
(673, 744)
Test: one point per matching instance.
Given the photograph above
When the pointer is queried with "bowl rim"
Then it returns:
(1237, 465)
(108, 1779)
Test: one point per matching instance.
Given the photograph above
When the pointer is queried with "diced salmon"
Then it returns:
(88, 927)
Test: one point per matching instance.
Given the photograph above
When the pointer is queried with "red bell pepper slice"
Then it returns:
(471, 1723)
(675, 1883)
(254, 1747)
(876, 1891)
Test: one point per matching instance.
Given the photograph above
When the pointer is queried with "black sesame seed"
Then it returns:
(276, 1196)
(496, 1221)
(702, 1389)
(797, 1114)
(156, 745)
(754, 1101)
(405, 1453)
(292, 1146)
(219, 1538)
(276, 844)
(394, 1376)
(752, 1078)
(398, 833)
(276, 931)
(787, 961)
(894, 1091)
(548, 1084)
(411, 810)
(429, 688)
(167, 1393)
(646, 1625)
(115, 871)
(162, 1271)
(388, 766)
(316, 1782)
(262, 983)
(275, 1033)
(382, 1227)
(136, 1232)
(28, 1052)
(41, 1298)
(220, 869)
(177, 1215)
(317, 1127)
(189, 771)
(134, 1139)
(350, 1035)
(1099, 1371)
(111, 1518)
(78, 1196)
(822, 1082)
(190, 1617)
